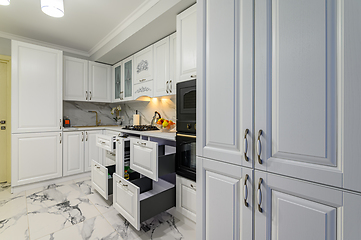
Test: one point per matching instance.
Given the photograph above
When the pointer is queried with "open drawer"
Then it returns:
(140, 199)
(106, 142)
(100, 180)
(150, 159)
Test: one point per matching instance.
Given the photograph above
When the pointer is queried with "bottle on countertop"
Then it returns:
(136, 118)
(126, 175)
(66, 121)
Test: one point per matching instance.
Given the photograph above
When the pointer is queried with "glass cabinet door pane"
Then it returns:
(128, 79)
(118, 86)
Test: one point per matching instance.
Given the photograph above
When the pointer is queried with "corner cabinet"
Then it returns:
(99, 82)
(187, 44)
(36, 88)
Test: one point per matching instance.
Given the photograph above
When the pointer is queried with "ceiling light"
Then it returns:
(4, 2)
(53, 8)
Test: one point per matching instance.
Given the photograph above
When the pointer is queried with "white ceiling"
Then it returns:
(85, 23)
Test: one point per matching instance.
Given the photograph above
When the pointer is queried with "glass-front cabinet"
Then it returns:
(128, 79)
(117, 82)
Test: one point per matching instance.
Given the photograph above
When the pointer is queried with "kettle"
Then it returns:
(155, 119)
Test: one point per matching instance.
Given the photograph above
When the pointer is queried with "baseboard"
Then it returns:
(21, 188)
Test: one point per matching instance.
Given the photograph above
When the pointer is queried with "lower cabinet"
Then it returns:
(79, 149)
(224, 201)
(36, 157)
(186, 197)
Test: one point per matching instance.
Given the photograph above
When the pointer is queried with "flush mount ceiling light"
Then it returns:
(4, 2)
(53, 8)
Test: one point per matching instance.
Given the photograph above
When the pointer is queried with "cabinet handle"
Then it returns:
(142, 143)
(245, 144)
(259, 149)
(60, 138)
(167, 87)
(193, 76)
(82, 136)
(90, 98)
(259, 195)
(170, 86)
(121, 95)
(193, 187)
(245, 190)
(125, 185)
(86, 134)
(86, 95)
(60, 124)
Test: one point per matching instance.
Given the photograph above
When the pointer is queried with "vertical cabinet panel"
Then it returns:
(296, 83)
(117, 82)
(187, 44)
(127, 79)
(73, 153)
(92, 152)
(75, 79)
(294, 209)
(172, 63)
(99, 82)
(226, 112)
(224, 185)
(36, 157)
(36, 87)
(161, 67)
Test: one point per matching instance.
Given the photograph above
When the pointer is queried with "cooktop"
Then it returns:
(141, 127)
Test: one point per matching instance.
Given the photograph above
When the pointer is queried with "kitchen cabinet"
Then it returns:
(79, 150)
(224, 201)
(36, 88)
(186, 67)
(35, 157)
(223, 43)
(143, 65)
(75, 79)
(117, 82)
(99, 82)
(127, 66)
(172, 63)
(186, 197)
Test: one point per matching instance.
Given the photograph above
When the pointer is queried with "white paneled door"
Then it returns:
(161, 68)
(36, 96)
(296, 85)
(75, 79)
(73, 153)
(99, 82)
(92, 151)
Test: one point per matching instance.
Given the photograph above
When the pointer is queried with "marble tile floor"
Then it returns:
(73, 211)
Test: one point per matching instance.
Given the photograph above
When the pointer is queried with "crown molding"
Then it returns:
(139, 11)
(45, 44)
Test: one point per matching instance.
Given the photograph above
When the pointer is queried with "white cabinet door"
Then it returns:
(224, 95)
(128, 76)
(35, 157)
(224, 201)
(186, 197)
(161, 67)
(99, 82)
(292, 209)
(296, 89)
(187, 44)
(143, 65)
(172, 63)
(117, 82)
(92, 152)
(75, 79)
(144, 157)
(351, 216)
(73, 153)
(99, 178)
(36, 88)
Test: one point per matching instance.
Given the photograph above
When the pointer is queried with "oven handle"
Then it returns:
(185, 135)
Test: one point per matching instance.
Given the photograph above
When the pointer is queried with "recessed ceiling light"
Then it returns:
(4, 2)
(53, 8)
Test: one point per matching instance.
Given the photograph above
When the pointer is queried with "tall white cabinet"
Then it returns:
(286, 82)
(36, 113)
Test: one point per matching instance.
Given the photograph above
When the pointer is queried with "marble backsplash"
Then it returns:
(79, 115)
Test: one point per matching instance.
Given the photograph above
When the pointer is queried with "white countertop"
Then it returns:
(155, 134)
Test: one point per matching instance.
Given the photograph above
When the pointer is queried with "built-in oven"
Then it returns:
(186, 129)
(186, 156)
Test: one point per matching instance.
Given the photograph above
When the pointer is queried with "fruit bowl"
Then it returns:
(165, 125)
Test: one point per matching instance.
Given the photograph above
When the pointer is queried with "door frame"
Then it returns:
(7, 60)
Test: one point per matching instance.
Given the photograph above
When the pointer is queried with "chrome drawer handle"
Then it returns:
(259, 147)
(245, 145)
(245, 190)
(140, 143)
(193, 187)
(259, 195)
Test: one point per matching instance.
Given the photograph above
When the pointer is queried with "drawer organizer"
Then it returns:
(145, 194)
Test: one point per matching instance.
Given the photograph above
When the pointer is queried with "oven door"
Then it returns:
(186, 156)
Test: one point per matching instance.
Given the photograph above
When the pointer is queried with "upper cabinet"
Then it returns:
(75, 79)
(99, 82)
(127, 66)
(143, 65)
(117, 82)
(36, 91)
(86, 81)
(187, 44)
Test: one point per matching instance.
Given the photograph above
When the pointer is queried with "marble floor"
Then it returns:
(73, 211)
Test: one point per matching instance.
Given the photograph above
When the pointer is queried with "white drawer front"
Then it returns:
(105, 142)
(144, 157)
(186, 198)
(99, 177)
(126, 200)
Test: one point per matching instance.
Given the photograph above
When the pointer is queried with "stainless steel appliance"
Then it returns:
(186, 129)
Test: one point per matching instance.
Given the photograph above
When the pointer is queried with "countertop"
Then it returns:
(155, 134)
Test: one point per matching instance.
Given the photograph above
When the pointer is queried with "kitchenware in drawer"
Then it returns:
(101, 181)
(149, 159)
(139, 199)
(106, 142)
